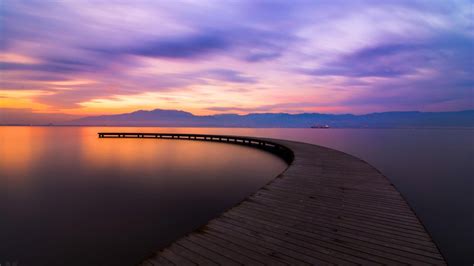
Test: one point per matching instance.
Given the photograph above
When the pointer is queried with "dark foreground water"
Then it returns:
(64, 194)
(69, 198)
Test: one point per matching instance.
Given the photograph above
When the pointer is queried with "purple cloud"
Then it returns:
(286, 107)
(192, 46)
(230, 76)
(394, 60)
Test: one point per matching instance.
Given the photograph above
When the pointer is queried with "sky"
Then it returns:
(60, 59)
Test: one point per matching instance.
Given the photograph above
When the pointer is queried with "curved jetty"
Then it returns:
(327, 207)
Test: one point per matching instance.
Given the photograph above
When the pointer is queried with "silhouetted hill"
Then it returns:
(160, 117)
(140, 117)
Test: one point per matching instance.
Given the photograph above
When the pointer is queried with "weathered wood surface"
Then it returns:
(326, 208)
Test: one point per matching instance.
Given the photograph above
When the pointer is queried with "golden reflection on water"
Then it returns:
(156, 154)
(25, 150)
(66, 188)
(18, 148)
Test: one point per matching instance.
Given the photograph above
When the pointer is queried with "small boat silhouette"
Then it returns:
(320, 126)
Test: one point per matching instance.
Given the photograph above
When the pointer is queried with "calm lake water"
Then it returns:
(65, 194)
(70, 198)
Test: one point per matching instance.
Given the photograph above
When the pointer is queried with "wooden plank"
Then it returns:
(360, 239)
(296, 234)
(239, 248)
(313, 204)
(317, 251)
(158, 261)
(190, 255)
(225, 251)
(174, 258)
(317, 248)
(334, 199)
(329, 215)
(205, 252)
(276, 244)
(248, 242)
(414, 230)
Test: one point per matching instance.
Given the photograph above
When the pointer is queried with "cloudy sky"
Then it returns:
(206, 57)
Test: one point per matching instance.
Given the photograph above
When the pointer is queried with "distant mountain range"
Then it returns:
(159, 117)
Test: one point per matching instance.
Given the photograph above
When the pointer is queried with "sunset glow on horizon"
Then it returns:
(206, 57)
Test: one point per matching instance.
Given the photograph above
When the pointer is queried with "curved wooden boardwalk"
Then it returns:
(327, 207)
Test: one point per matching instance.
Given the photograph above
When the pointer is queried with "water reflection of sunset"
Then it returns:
(18, 149)
(65, 187)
